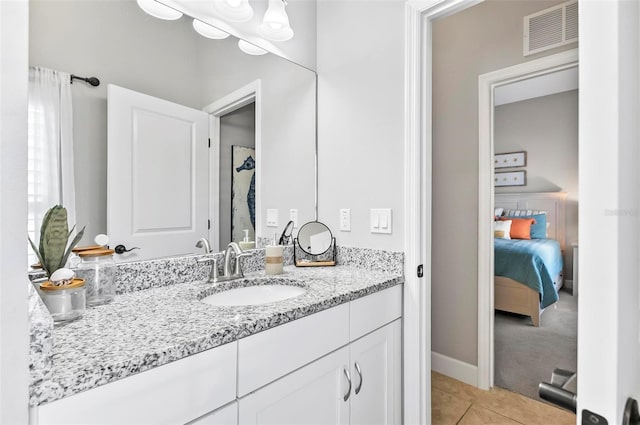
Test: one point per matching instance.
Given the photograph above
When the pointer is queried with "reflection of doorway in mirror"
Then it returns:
(243, 200)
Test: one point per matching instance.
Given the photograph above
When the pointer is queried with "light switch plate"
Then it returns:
(272, 217)
(293, 216)
(381, 220)
(345, 220)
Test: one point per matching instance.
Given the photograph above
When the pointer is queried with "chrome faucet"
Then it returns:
(213, 274)
(237, 270)
(228, 273)
(204, 243)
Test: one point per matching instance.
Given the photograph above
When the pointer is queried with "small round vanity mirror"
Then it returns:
(314, 238)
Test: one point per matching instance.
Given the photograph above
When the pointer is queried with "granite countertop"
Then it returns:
(144, 329)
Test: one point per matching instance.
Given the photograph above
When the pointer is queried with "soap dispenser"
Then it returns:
(274, 258)
(246, 243)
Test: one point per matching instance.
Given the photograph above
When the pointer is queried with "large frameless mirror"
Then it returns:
(124, 46)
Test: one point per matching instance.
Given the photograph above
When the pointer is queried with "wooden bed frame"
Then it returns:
(511, 295)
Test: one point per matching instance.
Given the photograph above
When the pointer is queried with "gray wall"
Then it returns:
(484, 38)
(361, 116)
(547, 129)
(237, 128)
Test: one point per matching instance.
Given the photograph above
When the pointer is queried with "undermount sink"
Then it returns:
(263, 293)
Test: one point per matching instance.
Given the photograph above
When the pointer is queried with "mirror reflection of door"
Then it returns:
(237, 166)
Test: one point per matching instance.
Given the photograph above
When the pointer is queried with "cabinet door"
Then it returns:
(313, 394)
(376, 375)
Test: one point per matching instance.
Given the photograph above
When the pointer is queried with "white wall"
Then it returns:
(483, 38)
(361, 116)
(14, 337)
(547, 129)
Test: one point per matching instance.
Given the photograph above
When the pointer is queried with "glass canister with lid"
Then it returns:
(98, 268)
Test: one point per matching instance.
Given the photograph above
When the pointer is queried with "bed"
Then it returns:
(529, 273)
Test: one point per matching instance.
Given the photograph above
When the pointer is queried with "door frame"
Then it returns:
(486, 85)
(233, 101)
(419, 15)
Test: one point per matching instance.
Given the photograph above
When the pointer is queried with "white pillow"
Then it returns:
(502, 229)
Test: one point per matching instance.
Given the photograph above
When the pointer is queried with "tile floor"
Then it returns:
(456, 403)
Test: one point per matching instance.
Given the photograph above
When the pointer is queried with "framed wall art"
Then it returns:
(511, 178)
(510, 159)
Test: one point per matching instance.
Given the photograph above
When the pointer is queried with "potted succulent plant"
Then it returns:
(63, 294)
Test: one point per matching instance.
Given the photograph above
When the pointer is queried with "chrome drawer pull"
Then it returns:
(346, 373)
(360, 375)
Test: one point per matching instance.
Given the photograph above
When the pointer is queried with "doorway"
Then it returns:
(237, 160)
(239, 100)
(486, 208)
(537, 117)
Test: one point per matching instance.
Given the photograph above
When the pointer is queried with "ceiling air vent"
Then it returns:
(551, 28)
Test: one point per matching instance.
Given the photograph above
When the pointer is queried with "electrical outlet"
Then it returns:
(345, 220)
(293, 216)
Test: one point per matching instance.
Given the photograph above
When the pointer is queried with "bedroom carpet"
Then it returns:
(526, 355)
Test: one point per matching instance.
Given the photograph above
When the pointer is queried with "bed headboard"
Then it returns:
(554, 203)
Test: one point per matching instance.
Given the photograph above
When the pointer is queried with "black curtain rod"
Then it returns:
(91, 80)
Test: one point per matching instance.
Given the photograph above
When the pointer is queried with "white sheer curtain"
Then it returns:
(50, 148)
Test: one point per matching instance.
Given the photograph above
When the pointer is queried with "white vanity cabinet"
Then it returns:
(341, 365)
(227, 415)
(376, 376)
(175, 393)
(311, 395)
(357, 384)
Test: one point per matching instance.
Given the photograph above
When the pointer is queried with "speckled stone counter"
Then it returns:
(142, 329)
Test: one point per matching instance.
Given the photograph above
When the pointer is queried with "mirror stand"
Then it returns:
(303, 259)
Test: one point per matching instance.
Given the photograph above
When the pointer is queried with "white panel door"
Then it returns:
(313, 394)
(157, 175)
(376, 374)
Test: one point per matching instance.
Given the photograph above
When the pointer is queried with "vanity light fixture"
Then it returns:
(209, 31)
(159, 10)
(251, 49)
(234, 10)
(275, 23)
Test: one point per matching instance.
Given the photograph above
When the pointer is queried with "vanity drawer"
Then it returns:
(374, 311)
(177, 392)
(269, 355)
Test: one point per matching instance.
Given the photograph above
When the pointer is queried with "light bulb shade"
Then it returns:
(159, 10)
(234, 10)
(275, 24)
(209, 31)
(250, 49)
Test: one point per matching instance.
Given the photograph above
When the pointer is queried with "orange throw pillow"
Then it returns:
(520, 227)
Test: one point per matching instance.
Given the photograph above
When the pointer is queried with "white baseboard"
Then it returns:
(454, 368)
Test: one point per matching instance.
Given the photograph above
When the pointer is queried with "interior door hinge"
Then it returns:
(420, 270)
(209, 224)
(209, 143)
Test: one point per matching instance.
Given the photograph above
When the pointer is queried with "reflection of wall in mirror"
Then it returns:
(319, 242)
(237, 128)
(243, 201)
(167, 59)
